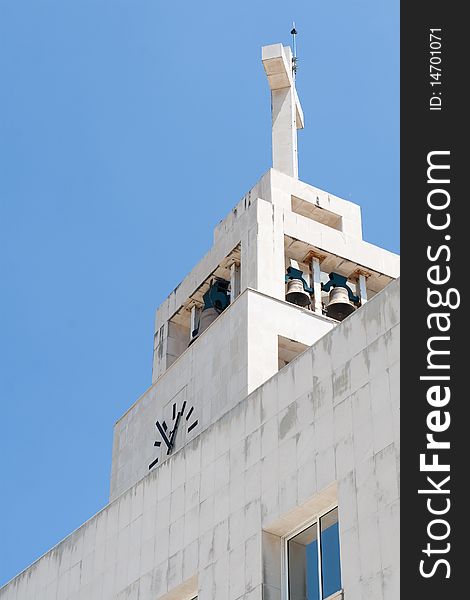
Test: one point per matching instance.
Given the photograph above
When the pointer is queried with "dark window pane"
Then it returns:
(331, 569)
(302, 555)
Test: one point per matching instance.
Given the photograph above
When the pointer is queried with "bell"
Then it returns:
(208, 315)
(296, 294)
(339, 306)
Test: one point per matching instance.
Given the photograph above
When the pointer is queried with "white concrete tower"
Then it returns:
(269, 426)
(212, 358)
(287, 115)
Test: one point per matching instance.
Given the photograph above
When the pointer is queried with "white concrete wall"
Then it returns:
(209, 519)
(269, 318)
(243, 229)
(235, 355)
(259, 223)
(284, 187)
(211, 374)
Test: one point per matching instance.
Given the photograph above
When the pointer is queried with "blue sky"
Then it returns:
(128, 129)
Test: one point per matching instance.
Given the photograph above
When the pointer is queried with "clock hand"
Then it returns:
(163, 434)
(172, 437)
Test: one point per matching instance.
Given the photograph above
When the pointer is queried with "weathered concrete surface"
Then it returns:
(234, 356)
(271, 449)
(267, 228)
(210, 519)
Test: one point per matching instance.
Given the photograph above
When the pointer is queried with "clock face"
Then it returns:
(182, 418)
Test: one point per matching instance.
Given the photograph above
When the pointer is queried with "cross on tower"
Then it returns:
(287, 115)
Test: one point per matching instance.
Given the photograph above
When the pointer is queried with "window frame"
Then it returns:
(285, 552)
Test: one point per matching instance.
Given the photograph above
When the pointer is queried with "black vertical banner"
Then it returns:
(435, 270)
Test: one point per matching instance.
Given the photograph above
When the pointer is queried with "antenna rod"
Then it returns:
(294, 44)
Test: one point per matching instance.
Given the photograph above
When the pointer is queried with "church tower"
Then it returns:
(261, 464)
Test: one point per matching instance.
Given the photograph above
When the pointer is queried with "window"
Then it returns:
(313, 560)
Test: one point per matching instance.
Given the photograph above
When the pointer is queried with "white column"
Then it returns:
(316, 285)
(234, 281)
(193, 321)
(362, 288)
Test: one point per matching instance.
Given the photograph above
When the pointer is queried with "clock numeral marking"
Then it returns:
(189, 413)
(162, 430)
(191, 427)
(158, 444)
(182, 408)
(174, 411)
(165, 426)
(153, 463)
